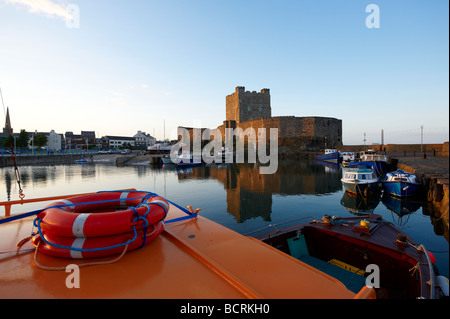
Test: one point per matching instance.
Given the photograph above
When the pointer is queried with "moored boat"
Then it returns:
(187, 159)
(81, 161)
(330, 155)
(166, 159)
(377, 162)
(360, 181)
(347, 157)
(401, 184)
(361, 251)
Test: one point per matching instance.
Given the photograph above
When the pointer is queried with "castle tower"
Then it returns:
(244, 106)
(7, 129)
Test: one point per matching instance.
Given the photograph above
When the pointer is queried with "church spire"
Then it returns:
(7, 129)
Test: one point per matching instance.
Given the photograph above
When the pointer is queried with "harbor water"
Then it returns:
(236, 196)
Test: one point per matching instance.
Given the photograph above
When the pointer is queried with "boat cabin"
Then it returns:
(359, 174)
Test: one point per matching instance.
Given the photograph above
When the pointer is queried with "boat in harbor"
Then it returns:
(81, 161)
(357, 249)
(360, 181)
(330, 155)
(186, 159)
(170, 252)
(160, 148)
(370, 159)
(401, 184)
(166, 159)
(347, 157)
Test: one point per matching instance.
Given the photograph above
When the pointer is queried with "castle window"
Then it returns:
(249, 108)
(260, 108)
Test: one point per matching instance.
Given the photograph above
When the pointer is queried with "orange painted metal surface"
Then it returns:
(191, 259)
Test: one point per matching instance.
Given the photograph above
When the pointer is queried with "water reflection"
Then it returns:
(358, 205)
(249, 194)
(401, 207)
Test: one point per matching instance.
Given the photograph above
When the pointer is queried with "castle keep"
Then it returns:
(245, 106)
(246, 109)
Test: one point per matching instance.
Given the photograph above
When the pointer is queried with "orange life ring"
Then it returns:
(96, 216)
(89, 226)
(94, 247)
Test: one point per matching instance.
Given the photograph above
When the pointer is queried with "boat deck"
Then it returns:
(360, 246)
(191, 259)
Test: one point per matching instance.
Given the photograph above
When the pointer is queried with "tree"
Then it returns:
(22, 140)
(8, 142)
(40, 140)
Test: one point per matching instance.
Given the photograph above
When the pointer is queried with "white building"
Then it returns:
(143, 139)
(119, 141)
(54, 140)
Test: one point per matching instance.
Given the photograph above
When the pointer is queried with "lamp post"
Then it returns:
(421, 138)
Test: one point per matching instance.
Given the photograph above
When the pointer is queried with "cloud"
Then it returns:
(49, 8)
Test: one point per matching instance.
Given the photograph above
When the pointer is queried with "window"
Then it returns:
(249, 108)
(260, 108)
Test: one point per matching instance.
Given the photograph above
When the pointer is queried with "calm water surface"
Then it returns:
(236, 196)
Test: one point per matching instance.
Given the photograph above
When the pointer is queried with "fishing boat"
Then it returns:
(361, 251)
(360, 181)
(330, 155)
(347, 157)
(370, 159)
(401, 184)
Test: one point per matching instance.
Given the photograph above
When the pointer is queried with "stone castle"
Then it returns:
(246, 109)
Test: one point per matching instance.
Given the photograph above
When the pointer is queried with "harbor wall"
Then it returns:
(430, 149)
(6, 161)
(434, 174)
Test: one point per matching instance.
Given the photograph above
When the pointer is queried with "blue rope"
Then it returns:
(189, 214)
(81, 249)
(36, 212)
(143, 200)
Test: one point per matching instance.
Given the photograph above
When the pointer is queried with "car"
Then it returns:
(125, 151)
(104, 152)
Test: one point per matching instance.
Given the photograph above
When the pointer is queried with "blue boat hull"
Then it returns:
(378, 167)
(401, 189)
(330, 157)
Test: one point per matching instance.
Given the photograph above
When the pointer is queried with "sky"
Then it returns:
(117, 67)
